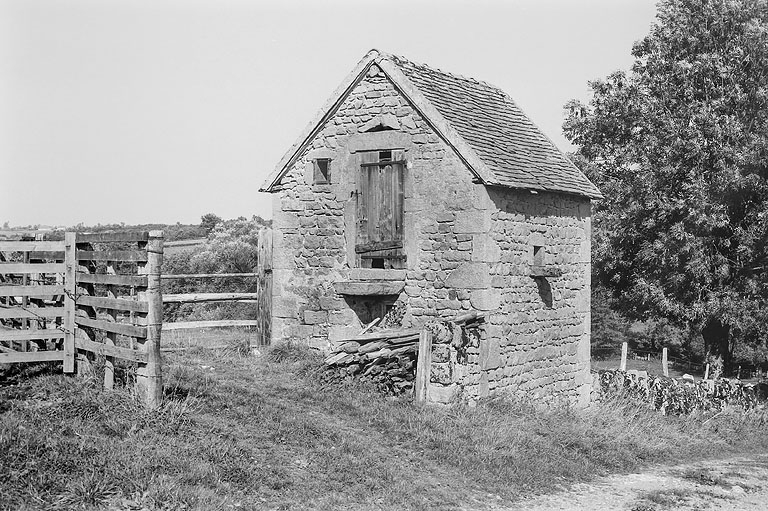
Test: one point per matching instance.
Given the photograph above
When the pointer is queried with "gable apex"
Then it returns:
(496, 141)
(405, 88)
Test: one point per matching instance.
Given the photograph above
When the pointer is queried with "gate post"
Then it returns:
(70, 289)
(264, 286)
(149, 376)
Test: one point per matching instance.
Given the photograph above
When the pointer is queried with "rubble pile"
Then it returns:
(386, 358)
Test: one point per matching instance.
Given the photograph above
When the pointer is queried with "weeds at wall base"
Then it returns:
(673, 396)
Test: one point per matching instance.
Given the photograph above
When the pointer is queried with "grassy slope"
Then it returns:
(239, 432)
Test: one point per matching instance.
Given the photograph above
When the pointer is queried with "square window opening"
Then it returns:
(377, 262)
(538, 255)
(322, 171)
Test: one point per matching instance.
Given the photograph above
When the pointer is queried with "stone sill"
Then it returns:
(376, 274)
(545, 271)
(369, 288)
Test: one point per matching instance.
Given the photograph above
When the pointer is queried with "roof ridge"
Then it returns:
(383, 54)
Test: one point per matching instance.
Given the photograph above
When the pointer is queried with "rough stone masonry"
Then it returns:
(520, 255)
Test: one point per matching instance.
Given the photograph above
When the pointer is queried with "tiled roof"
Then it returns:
(514, 149)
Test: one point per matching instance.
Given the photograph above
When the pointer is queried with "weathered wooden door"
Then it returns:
(380, 210)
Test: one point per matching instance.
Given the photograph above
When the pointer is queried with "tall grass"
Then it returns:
(267, 433)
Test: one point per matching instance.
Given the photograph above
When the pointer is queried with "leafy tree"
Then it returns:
(208, 222)
(232, 247)
(679, 147)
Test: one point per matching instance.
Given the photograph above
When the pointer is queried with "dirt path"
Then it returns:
(729, 485)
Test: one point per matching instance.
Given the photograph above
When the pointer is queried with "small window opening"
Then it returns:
(385, 155)
(380, 127)
(322, 171)
(377, 262)
(538, 256)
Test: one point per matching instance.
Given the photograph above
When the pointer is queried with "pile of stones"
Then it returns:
(386, 358)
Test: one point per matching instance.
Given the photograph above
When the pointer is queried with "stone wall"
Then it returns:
(314, 225)
(468, 247)
(537, 334)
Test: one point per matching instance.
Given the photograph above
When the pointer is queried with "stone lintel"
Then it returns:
(378, 140)
(358, 288)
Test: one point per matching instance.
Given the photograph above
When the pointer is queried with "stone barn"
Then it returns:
(417, 194)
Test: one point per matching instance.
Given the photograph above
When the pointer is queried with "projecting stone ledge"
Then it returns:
(357, 288)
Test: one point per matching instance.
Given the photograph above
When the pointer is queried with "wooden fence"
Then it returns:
(262, 297)
(33, 313)
(89, 294)
(99, 294)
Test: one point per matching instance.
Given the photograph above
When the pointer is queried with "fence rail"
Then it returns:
(262, 297)
(224, 323)
(208, 297)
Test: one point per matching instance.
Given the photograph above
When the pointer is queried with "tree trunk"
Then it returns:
(716, 336)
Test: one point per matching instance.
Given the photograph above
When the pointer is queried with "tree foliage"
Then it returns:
(208, 222)
(679, 148)
(231, 247)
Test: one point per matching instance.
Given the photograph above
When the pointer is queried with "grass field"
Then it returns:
(243, 432)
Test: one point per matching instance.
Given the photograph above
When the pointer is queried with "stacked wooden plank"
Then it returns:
(386, 358)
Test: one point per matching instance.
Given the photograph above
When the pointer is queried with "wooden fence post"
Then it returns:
(149, 376)
(423, 366)
(84, 358)
(664, 362)
(110, 337)
(706, 372)
(70, 288)
(623, 366)
(264, 287)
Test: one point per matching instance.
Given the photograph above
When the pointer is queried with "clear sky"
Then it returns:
(143, 111)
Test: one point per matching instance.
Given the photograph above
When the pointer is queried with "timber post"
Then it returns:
(423, 366)
(149, 376)
(623, 366)
(70, 290)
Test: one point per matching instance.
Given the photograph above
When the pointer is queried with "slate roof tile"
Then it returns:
(513, 148)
